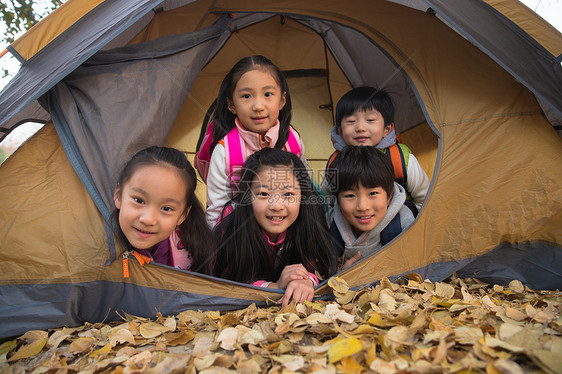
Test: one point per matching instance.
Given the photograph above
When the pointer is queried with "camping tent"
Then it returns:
(477, 86)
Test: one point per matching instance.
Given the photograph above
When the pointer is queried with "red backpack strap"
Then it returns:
(234, 159)
(398, 163)
(203, 155)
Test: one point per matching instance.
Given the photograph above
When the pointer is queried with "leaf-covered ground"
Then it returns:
(413, 326)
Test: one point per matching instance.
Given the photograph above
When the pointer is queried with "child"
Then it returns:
(277, 231)
(365, 116)
(157, 213)
(369, 210)
(253, 112)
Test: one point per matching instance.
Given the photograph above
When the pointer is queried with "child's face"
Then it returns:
(276, 201)
(257, 100)
(151, 204)
(363, 208)
(364, 128)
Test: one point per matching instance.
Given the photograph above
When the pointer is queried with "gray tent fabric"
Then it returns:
(97, 114)
(69, 50)
(362, 63)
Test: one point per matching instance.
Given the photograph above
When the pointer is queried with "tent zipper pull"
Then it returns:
(126, 264)
(142, 259)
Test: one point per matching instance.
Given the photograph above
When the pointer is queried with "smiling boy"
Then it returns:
(369, 210)
(365, 117)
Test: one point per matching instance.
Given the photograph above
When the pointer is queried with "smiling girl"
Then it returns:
(277, 236)
(157, 213)
(253, 112)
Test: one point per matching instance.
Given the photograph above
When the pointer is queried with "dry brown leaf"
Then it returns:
(507, 367)
(80, 345)
(228, 338)
(399, 335)
(339, 285)
(444, 290)
(387, 302)
(516, 286)
(548, 361)
(508, 329)
(382, 367)
(399, 328)
(467, 335)
(121, 336)
(333, 312)
(205, 362)
(178, 338)
(58, 336)
(493, 342)
(139, 361)
(203, 342)
(150, 330)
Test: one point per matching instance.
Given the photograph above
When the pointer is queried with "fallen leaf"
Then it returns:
(8, 346)
(29, 350)
(343, 348)
(150, 330)
(339, 285)
(467, 335)
(101, 352)
(507, 367)
(121, 336)
(80, 345)
(228, 338)
(516, 286)
(444, 290)
(387, 302)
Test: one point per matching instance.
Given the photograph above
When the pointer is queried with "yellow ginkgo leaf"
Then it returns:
(29, 350)
(339, 285)
(349, 365)
(8, 346)
(100, 352)
(343, 348)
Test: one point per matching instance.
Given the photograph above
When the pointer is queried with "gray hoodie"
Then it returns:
(369, 242)
(339, 143)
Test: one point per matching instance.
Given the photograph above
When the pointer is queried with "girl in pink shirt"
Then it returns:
(253, 112)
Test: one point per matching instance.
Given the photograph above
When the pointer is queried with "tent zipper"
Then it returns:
(142, 259)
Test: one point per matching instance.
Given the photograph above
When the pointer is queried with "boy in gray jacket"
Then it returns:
(369, 211)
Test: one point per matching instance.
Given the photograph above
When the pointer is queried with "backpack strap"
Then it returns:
(203, 156)
(391, 230)
(331, 159)
(293, 144)
(398, 163)
(234, 159)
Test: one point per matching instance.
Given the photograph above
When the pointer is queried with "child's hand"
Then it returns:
(299, 291)
(352, 260)
(291, 273)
